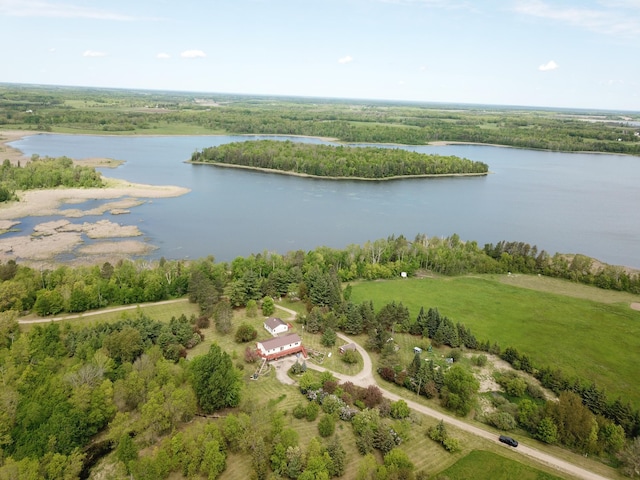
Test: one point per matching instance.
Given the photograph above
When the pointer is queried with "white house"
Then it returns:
(275, 326)
(280, 346)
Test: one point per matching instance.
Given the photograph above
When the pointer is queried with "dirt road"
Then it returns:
(365, 378)
(97, 312)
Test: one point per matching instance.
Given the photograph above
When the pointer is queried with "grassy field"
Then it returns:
(162, 313)
(597, 340)
(482, 465)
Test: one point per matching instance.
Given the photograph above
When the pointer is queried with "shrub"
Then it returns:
(516, 387)
(400, 409)
(451, 445)
(502, 420)
(298, 368)
(245, 333)
(252, 309)
(268, 306)
(300, 411)
(479, 360)
(250, 355)
(350, 357)
(312, 411)
(326, 426)
(203, 322)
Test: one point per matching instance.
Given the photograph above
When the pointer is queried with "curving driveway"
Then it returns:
(366, 378)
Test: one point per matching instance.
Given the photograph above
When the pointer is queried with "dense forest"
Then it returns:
(45, 173)
(337, 162)
(119, 111)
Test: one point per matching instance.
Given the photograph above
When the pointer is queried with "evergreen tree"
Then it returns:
(215, 380)
(433, 322)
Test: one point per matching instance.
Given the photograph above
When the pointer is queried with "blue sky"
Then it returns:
(550, 53)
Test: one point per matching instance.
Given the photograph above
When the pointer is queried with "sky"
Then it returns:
(542, 53)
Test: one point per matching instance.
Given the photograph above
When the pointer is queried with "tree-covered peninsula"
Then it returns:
(371, 163)
(45, 173)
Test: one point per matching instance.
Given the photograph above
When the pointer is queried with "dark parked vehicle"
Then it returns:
(508, 440)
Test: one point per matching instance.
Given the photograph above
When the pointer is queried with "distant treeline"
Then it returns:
(337, 161)
(99, 111)
(45, 173)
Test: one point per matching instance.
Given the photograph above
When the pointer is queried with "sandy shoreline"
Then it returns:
(64, 236)
(321, 177)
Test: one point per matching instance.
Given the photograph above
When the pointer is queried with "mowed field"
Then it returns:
(482, 465)
(597, 339)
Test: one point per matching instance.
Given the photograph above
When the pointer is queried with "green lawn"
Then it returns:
(481, 465)
(592, 339)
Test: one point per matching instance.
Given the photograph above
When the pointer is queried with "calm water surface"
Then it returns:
(561, 202)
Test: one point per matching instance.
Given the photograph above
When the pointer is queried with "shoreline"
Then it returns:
(125, 195)
(109, 240)
(318, 177)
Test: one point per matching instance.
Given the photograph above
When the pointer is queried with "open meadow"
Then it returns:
(595, 340)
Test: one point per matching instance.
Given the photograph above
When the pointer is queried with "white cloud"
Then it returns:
(621, 17)
(163, 55)
(345, 60)
(546, 67)
(44, 8)
(93, 53)
(193, 54)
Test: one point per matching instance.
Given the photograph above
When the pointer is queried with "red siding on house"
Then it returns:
(280, 346)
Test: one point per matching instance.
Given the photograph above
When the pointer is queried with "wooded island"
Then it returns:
(370, 163)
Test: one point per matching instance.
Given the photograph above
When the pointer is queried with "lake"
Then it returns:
(561, 202)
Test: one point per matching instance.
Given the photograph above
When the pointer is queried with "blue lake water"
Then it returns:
(561, 202)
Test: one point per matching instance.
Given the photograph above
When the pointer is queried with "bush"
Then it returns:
(312, 411)
(245, 333)
(300, 411)
(250, 355)
(326, 426)
(350, 357)
(479, 360)
(298, 368)
(455, 354)
(451, 445)
(268, 307)
(502, 421)
(400, 410)
(203, 322)
(516, 387)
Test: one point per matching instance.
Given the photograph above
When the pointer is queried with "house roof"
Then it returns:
(348, 346)
(273, 322)
(280, 341)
